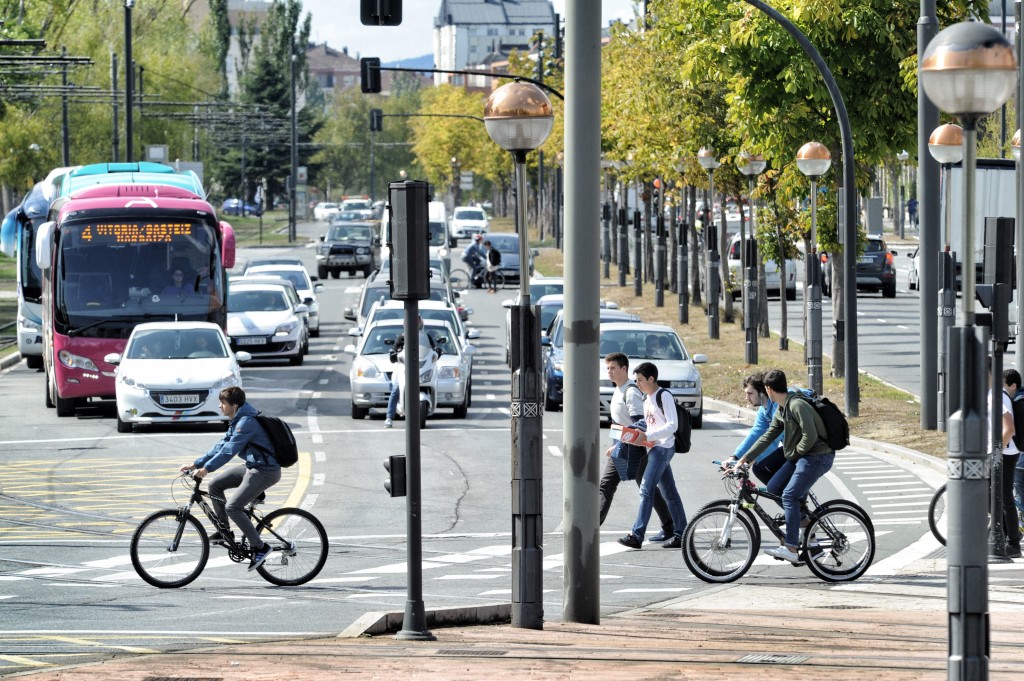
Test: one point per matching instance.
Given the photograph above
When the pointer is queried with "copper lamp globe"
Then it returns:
(518, 117)
(946, 143)
(813, 159)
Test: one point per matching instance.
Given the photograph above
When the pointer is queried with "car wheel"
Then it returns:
(368, 270)
(697, 421)
(463, 409)
(65, 407)
(123, 426)
(912, 285)
(34, 361)
(889, 291)
(335, 273)
(790, 294)
(550, 404)
(296, 361)
(424, 408)
(48, 389)
(359, 413)
(315, 333)
(322, 272)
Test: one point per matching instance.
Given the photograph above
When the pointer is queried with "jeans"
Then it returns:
(250, 482)
(658, 474)
(792, 482)
(765, 468)
(1011, 522)
(610, 482)
(393, 401)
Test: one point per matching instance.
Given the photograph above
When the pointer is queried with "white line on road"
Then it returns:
(555, 451)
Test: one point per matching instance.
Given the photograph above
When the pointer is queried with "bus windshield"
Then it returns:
(31, 277)
(109, 271)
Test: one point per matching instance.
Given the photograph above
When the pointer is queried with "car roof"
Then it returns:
(552, 299)
(288, 267)
(152, 326)
(257, 285)
(634, 326)
(280, 260)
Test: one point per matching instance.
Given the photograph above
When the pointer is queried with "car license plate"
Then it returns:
(179, 399)
(865, 259)
(254, 340)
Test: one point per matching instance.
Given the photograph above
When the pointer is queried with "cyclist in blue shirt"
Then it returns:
(246, 439)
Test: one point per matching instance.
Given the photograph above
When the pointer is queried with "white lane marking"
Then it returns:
(461, 577)
(909, 503)
(251, 598)
(319, 457)
(490, 396)
(897, 521)
(674, 589)
(892, 484)
(381, 594)
(880, 320)
(903, 512)
(905, 328)
(309, 501)
(894, 476)
(874, 497)
(345, 579)
(318, 479)
(555, 451)
(316, 395)
(6, 596)
(505, 411)
(323, 381)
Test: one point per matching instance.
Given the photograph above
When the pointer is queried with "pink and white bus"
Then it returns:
(109, 256)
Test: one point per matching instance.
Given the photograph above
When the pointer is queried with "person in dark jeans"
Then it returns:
(627, 406)
(1011, 456)
(246, 439)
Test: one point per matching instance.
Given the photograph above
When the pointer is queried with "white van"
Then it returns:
(441, 241)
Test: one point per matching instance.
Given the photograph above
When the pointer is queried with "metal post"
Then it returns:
(623, 237)
(66, 144)
(527, 426)
(414, 624)
(1019, 224)
(638, 255)
(583, 457)
(373, 167)
(928, 215)
(996, 531)
(114, 116)
(946, 308)
(129, 69)
(682, 271)
(293, 187)
(812, 316)
(606, 247)
(751, 303)
(711, 241)
(659, 255)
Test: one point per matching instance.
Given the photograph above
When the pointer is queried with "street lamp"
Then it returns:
(900, 218)
(559, 161)
(707, 160)
(518, 117)
(946, 146)
(455, 182)
(814, 160)
(752, 165)
(402, 174)
(129, 81)
(968, 70)
(681, 261)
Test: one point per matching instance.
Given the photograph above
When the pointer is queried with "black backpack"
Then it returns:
(286, 452)
(1018, 421)
(837, 428)
(684, 431)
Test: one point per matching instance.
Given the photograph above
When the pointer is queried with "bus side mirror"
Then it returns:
(44, 245)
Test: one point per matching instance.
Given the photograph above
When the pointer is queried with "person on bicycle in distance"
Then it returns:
(808, 456)
(475, 258)
(766, 465)
(246, 439)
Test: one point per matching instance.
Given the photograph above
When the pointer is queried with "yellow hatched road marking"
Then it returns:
(99, 644)
(24, 661)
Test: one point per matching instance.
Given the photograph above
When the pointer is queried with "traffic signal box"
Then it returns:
(409, 239)
(395, 466)
(380, 12)
(369, 75)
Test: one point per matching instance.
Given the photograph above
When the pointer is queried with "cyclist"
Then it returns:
(475, 256)
(768, 463)
(808, 456)
(246, 439)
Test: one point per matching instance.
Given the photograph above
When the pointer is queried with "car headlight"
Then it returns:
(682, 384)
(226, 381)
(127, 380)
(323, 250)
(27, 324)
(76, 361)
(557, 367)
(443, 252)
(425, 376)
(362, 250)
(367, 371)
(448, 372)
(286, 329)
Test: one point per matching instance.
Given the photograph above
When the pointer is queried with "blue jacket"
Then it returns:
(765, 414)
(243, 438)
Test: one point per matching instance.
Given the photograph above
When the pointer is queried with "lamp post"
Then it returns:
(946, 145)
(129, 81)
(293, 179)
(518, 118)
(1019, 234)
(752, 165)
(623, 221)
(707, 160)
(813, 160)
(969, 70)
(559, 160)
(658, 199)
(606, 213)
(900, 216)
(682, 266)
(455, 182)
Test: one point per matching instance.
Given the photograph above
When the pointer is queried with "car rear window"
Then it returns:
(470, 215)
(875, 246)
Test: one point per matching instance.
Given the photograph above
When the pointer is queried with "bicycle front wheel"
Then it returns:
(168, 550)
(838, 543)
(459, 279)
(720, 546)
(937, 515)
(300, 546)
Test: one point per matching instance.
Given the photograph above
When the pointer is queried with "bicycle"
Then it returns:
(496, 280)
(937, 514)
(721, 542)
(459, 279)
(169, 549)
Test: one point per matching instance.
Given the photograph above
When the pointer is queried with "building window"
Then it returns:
(492, 31)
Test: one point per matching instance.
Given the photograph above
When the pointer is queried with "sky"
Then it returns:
(336, 22)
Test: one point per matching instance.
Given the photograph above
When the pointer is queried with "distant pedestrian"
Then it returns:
(1011, 455)
(627, 406)
(659, 439)
(912, 211)
(493, 263)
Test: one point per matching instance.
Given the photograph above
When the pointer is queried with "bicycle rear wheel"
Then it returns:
(838, 543)
(169, 551)
(459, 279)
(300, 546)
(937, 513)
(720, 547)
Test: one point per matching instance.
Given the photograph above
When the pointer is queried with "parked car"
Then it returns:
(876, 269)
(348, 247)
(264, 322)
(325, 210)
(306, 286)
(662, 346)
(553, 352)
(172, 372)
(771, 273)
(236, 207)
(467, 221)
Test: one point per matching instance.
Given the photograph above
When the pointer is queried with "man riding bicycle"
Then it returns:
(475, 258)
(246, 439)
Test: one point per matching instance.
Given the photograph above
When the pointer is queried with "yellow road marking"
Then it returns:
(97, 644)
(302, 480)
(24, 661)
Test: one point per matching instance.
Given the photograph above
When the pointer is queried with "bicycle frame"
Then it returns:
(200, 496)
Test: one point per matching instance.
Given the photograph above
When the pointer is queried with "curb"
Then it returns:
(9, 361)
(376, 623)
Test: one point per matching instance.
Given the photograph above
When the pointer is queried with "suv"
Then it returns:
(467, 221)
(348, 246)
(876, 269)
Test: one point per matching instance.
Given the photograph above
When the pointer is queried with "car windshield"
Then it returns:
(355, 204)
(176, 344)
(397, 313)
(448, 347)
(505, 244)
(641, 344)
(349, 233)
(297, 277)
(380, 340)
(469, 214)
(547, 314)
(257, 301)
(539, 290)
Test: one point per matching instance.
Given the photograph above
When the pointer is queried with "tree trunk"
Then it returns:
(763, 329)
(648, 249)
(784, 314)
(723, 266)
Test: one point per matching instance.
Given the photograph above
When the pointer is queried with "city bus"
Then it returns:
(70, 183)
(17, 235)
(107, 255)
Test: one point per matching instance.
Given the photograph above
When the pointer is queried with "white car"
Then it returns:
(306, 287)
(325, 210)
(429, 309)
(361, 207)
(468, 221)
(661, 346)
(264, 322)
(771, 273)
(172, 372)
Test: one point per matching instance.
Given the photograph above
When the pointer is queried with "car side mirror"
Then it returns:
(323, 238)
(302, 308)
(700, 359)
(113, 358)
(242, 356)
(318, 288)
(534, 252)
(894, 253)
(545, 340)
(472, 334)
(349, 314)
(307, 301)
(467, 310)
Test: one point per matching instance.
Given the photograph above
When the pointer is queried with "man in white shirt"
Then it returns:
(627, 407)
(1011, 526)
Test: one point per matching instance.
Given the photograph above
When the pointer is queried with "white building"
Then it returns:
(466, 32)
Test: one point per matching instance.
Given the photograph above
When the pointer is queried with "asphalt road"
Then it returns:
(72, 491)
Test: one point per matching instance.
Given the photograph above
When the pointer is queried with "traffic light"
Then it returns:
(395, 466)
(376, 120)
(369, 74)
(380, 12)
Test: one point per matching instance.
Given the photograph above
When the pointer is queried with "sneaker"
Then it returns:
(1013, 551)
(218, 537)
(260, 556)
(630, 540)
(664, 535)
(782, 553)
(676, 542)
(388, 423)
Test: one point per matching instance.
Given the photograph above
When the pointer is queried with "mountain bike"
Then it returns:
(169, 549)
(937, 514)
(837, 538)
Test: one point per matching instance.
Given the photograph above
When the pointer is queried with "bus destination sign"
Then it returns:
(135, 232)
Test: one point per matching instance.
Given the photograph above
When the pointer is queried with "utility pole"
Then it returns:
(129, 73)
(294, 179)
